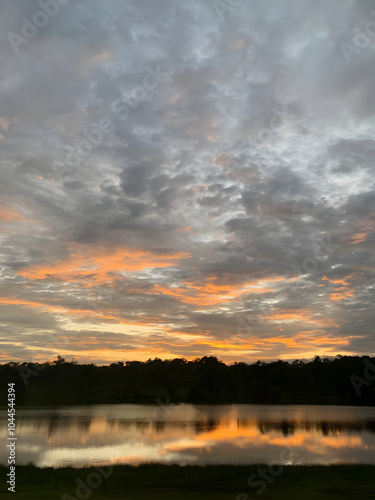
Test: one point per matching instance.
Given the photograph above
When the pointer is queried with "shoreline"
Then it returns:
(172, 482)
(153, 404)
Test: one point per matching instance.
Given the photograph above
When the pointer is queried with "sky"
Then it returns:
(186, 179)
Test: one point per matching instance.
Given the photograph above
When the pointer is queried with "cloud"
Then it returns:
(230, 212)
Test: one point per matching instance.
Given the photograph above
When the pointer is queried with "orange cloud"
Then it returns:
(365, 228)
(341, 281)
(358, 238)
(341, 296)
(299, 343)
(98, 315)
(215, 290)
(304, 316)
(44, 306)
(89, 266)
(342, 292)
(8, 215)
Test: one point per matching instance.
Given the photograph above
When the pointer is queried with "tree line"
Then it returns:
(348, 380)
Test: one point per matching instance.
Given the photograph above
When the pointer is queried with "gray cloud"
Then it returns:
(240, 186)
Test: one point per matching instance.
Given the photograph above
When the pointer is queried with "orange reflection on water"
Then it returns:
(111, 434)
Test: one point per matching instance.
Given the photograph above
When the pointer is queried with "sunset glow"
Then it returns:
(180, 182)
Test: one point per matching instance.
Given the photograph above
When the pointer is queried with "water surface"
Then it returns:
(192, 434)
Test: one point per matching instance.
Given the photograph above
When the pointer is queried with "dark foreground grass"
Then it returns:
(172, 482)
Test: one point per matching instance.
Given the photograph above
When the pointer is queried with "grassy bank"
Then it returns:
(154, 481)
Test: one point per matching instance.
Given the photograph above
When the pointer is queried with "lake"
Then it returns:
(192, 434)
